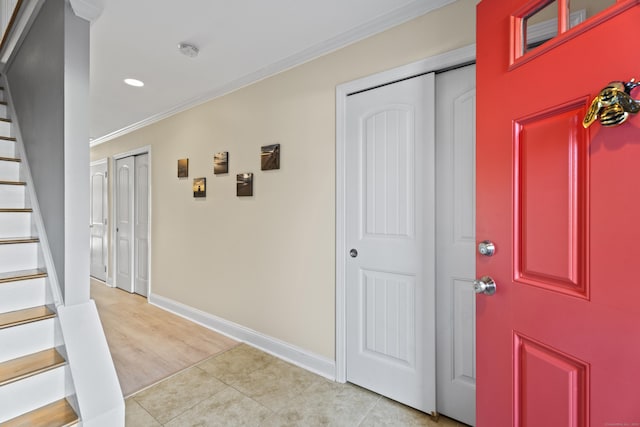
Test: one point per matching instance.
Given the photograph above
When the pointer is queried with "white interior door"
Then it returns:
(98, 220)
(455, 240)
(141, 227)
(390, 301)
(125, 210)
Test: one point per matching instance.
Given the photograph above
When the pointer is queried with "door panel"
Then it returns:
(141, 285)
(98, 221)
(390, 220)
(556, 343)
(455, 243)
(125, 204)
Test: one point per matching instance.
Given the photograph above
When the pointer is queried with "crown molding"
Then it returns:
(413, 10)
(87, 9)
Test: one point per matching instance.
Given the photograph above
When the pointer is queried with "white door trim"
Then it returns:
(138, 151)
(435, 63)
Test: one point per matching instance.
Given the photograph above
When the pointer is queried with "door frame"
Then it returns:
(105, 161)
(454, 58)
(114, 266)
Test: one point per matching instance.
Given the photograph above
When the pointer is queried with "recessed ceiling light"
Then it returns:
(134, 82)
(188, 50)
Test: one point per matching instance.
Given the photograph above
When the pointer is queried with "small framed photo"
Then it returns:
(270, 157)
(200, 187)
(221, 162)
(183, 168)
(244, 184)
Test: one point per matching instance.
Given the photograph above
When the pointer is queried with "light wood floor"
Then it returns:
(147, 343)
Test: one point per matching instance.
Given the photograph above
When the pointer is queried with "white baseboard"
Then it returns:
(312, 362)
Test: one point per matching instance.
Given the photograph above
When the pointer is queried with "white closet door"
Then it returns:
(98, 220)
(455, 240)
(390, 299)
(125, 209)
(141, 227)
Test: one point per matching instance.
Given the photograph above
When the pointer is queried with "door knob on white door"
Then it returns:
(484, 285)
(353, 253)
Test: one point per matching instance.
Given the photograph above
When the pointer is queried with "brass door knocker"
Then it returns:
(613, 104)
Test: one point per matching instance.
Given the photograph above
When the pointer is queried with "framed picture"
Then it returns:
(200, 187)
(270, 157)
(221, 162)
(244, 184)
(183, 168)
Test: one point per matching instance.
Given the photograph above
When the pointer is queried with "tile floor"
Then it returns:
(246, 387)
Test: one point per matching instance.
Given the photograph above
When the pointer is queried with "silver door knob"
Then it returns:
(484, 285)
(486, 248)
(353, 253)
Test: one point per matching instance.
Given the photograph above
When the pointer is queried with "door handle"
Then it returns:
(486, 248)
(353, 253)
(484, 285)
(613, 104)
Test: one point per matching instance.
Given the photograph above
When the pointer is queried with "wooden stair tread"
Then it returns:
(28, 315)
(10, 159)
(2, 119)
(56, 414)
(7, 138)
(16, 210)
(18, 240)
(14, 276)
(27, 366)
(3, 103)
(13, 183)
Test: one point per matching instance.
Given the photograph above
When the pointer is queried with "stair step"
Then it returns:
(18, 240)
(27, 366)
(9, 159)
(13, 183)
(21, 317)
(57, 414)
(15, 276)
(5, 120)
(16, 210)
(8, 138)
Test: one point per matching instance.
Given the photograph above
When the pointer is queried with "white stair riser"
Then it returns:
(15, 224)
(7, 149)
(3, 111)
(9, 171)
(24, 294)
(5, 128)
(31, 338)
(23, 256)
(31, 393)
(12, 196)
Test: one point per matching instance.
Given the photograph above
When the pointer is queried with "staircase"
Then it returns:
(36, 388)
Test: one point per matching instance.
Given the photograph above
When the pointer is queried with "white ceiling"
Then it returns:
(240, 41)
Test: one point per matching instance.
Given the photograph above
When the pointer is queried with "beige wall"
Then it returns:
(268, 262)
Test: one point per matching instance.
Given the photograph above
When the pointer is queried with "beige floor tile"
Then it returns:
(172, 397)
(136, 416)
(326, 404)
(229, 408)
(275, 385)
(236, 363)
(387, 413)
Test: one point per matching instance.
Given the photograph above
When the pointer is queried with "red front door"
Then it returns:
(558, 344)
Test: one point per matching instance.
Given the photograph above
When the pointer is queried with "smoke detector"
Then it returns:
(188, 50)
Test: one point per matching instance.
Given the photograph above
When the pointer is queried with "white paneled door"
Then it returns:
(98, 219)
(390, 275)
(132, 223)
(141, 228)
(455, 240)
(125, 210)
